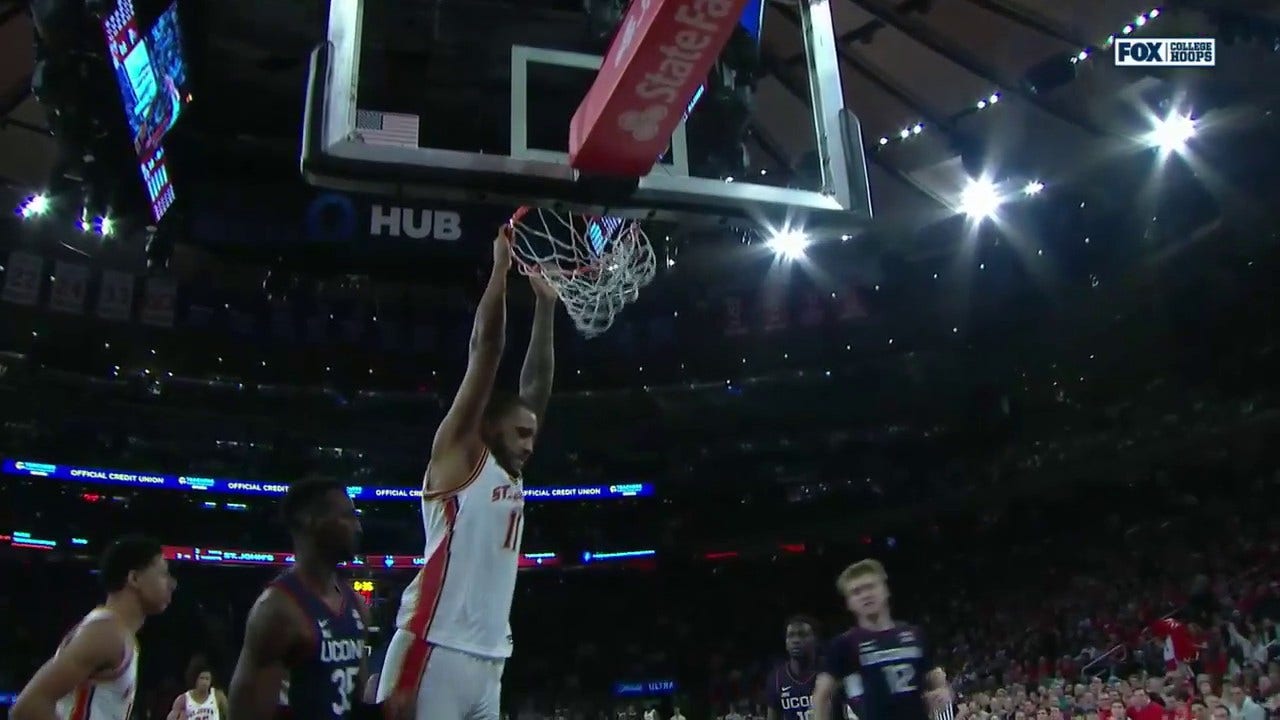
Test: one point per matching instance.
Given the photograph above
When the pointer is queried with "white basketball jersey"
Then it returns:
(207, 710)
(461, 598)
(108, 697)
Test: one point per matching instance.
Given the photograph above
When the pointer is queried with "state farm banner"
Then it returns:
(660, 56)
(115, 296)
(158, 304)
(23, 277)
(70, 286)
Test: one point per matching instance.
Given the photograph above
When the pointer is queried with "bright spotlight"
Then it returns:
(1172, 133)
(34, 206)
(789, 244)
(1032, 188)
(980, 199)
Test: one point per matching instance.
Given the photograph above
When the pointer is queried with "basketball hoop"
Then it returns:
(597, 265)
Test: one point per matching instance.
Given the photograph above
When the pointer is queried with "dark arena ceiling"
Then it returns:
(905, 64)
(920, 75)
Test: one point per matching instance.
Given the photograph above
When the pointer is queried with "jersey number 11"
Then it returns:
(513, 531)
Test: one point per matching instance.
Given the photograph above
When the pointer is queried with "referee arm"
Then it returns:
(937, 695)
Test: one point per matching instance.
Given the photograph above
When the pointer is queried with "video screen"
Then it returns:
(152, 74)
(753, 18)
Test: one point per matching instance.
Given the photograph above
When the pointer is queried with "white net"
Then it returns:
(596, 264)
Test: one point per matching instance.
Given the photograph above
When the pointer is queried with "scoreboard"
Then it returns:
(365, 589)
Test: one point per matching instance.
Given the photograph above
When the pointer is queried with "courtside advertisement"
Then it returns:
(1166, 52)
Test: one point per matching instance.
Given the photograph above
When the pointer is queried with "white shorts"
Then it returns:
(448, 684)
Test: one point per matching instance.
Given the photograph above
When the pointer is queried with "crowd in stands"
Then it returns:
(1045, 609)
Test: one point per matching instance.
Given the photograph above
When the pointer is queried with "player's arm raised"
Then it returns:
(539, 367)
(269, 636)
(96, 647)
(457, 447)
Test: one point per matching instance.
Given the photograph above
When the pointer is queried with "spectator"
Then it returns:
(1142, 708)
(1242, 707)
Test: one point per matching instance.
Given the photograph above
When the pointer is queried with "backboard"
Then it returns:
(509, 102)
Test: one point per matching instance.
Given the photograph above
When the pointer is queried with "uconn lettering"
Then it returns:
(341, 651)
(796, 703)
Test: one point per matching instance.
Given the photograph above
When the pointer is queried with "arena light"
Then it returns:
(980, 199)
(33, 207)
(1082, 55)
(1034, 187)
(1172, 133)
(101, 226)
(789, 244)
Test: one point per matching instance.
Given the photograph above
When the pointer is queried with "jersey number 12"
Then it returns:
(900, 678)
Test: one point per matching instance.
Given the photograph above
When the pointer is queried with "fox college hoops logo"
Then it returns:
(1166, 52)
(643, 125)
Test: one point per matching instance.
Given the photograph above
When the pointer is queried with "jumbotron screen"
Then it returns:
(152, 73)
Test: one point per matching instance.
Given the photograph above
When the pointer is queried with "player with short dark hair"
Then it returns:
(94, 673)
(790, 684)
(453, 631)
(886, 668)
(304, 645)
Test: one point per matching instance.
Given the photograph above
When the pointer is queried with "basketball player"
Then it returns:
(790, 685)
(453, 634)
(304, 644)
(93, 675)
(885, 667)
(202, 702)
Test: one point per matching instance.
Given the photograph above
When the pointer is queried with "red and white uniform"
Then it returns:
(207, 710)
(108, 696)
(453, 629)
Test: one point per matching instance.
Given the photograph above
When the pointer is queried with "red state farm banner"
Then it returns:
(661, 55)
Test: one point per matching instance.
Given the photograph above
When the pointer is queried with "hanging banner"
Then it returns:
(850, 305)
(70, 286)
(115, 297)
(773, 310)
(733, 320)
(814, 311)
(22, 278)
(157, 307)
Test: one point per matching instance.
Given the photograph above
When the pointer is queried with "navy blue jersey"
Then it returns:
(791, 695)
(881, 672)
(324, 677)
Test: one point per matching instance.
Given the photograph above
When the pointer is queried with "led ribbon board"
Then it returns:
(191, 483)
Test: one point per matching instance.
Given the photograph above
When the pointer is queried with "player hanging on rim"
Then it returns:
(94, 673)
(790, 684)
(202, 702)
(885, 667)
(304, 642)
(453, 632)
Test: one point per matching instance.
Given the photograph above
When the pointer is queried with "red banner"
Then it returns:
(661, 55)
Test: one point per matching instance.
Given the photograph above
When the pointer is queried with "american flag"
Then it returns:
(381, 128)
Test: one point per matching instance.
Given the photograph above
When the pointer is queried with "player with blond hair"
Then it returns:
(885, 667)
